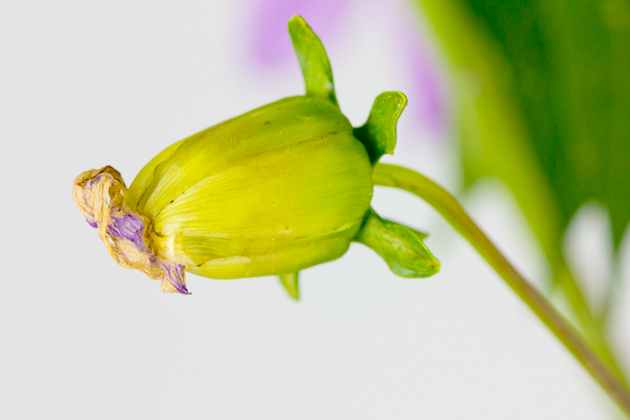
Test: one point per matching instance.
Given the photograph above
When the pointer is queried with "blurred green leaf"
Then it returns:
(545, 86)
(570, 63)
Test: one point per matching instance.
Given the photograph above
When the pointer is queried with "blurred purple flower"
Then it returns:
(271, 46)
(428, 86)
(271, 42)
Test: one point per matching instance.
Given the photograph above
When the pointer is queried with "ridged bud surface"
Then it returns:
(276, 190)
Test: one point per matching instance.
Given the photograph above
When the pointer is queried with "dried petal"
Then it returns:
(99, 194)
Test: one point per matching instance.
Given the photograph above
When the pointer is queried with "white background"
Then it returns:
(84, 84)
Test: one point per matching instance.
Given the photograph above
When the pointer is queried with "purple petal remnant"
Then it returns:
(174, 273)
(89, 216)
(126, 233)
(129, 226)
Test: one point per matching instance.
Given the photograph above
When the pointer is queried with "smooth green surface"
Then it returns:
(421, 186)
(378, 134)
(313, 60)
(399, 246)
(290, 283)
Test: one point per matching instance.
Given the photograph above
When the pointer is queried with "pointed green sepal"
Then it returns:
(290, 283)
(313, 60)
(418, 233)
(400, 247)
(378, 134)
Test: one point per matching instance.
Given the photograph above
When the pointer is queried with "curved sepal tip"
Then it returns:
(290, 283)
(313, 60)
(401, 247)
(378, 134)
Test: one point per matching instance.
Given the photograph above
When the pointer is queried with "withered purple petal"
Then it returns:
(99, 194)
(174, 274)
(128, 227)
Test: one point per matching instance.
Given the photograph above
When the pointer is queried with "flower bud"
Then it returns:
(276, 190)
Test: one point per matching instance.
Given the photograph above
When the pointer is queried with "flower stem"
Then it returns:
(583, 316)
(450, 209)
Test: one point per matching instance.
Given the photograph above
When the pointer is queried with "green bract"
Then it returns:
(276, 190)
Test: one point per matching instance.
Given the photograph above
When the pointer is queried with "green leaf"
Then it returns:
(544, 92)
(400, 247)
(313, 60)
(290, 283)
(378, 134)
(571, 67)
(545, 97)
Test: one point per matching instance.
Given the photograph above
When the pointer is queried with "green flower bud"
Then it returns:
(276, 190)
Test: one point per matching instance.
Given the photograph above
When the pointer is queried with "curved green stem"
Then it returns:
(590, 326)
(449, 208)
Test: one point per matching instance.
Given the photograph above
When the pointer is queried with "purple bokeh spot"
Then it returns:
(427, 85)
(271, 41)
(271, 47)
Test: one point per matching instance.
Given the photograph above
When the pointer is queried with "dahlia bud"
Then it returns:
(271, 192)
